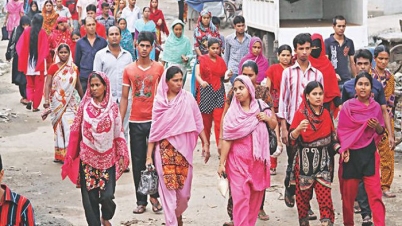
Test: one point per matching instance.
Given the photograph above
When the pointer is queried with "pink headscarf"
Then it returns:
(238, 123)
(178, 118)
(96, 136)
(353, 131)
(261, 61)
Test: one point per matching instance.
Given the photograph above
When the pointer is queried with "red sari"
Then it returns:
(157, 14)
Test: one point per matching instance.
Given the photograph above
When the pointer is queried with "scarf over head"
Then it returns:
(238, 124)
(323, 64)
(353, 131)
(261, 60)
(31, 13)
(96, 136)
(49, 21)
(170, 121)
(176, 47)
(201, 32)
(157, 14)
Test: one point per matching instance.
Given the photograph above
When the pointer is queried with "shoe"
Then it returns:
(262, 215)
(272, 171)
(289, 199)
(24, 101)
(35, 110)
(367, 221)
(139, 210)
(388, 194)
(230, 223)
(29, 105)
(127, 170)
(311, 215)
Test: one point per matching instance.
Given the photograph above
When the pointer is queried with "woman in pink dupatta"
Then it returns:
(15, 11)
(256, 54)
(245, 151)
(173, 138)
(360, 127)
(97, 150)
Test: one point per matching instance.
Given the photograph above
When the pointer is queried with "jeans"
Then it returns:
(362, 199)
(139, 134)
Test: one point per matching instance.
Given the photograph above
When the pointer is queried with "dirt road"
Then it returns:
(26, 146)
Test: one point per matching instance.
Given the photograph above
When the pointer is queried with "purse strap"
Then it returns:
(262, 110)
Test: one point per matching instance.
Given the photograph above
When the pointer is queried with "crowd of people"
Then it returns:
(114, 93)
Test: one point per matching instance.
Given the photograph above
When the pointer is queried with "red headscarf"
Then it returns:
(323, 64)
(157, 14)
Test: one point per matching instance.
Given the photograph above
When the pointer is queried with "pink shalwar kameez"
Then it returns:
(179, 121)
(14, 10)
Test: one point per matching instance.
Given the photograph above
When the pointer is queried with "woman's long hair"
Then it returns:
(37, 22)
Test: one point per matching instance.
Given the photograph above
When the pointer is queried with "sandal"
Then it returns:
(263, 216)
(139, 210)
(24, 101)
(311, 215)
(156, 206)
(230, 223)
(356, 208)
(29, 105)
(367, 221)
(388, 194)
(289, 200)
(273, 171)
(35, 110)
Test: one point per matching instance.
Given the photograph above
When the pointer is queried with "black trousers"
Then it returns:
(181, 9)
(291, 189)
(362, 199)
(91, 199)
(139, 134)
(23, 90)
(84, 82)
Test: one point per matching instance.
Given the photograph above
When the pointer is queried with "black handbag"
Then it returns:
(4, 33)
(273, 140)
(20, 79)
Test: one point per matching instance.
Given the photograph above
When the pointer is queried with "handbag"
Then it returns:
(273, 140)
(20, 79)
(149, 181)
(4, 33)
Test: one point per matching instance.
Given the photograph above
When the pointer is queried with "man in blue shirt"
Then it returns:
(340, 51)
(86, 49)
(363, 58)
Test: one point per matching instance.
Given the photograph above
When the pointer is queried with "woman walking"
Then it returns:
(33, 9)
(360, 128)
(387, 79)
(313, 139)
(204, 30)
(15, 11)
(274, 78)
(61, 82)
(256, 53)
(126, 37)
(245, 151)
(17, 77)
(32, 50)
(210, 89)
(159, 19)
(97, 150)
(178, 50)
(172, 143)
(145, 24)
(49, 17)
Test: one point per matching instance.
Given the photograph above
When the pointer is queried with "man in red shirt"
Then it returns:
(72, 6)
(15, 209)
(100, 28)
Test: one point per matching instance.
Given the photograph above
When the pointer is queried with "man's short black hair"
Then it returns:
(146, 36)
(105, 4)
(338, 17)
(113, 27)
(91, 7)
(239, 20)
(301, 39)
(216, 20)
(363, 53)
(1, 164)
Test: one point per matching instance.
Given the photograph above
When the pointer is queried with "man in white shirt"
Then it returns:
(131, 13)
(81, 8)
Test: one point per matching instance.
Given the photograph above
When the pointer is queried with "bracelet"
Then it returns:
(149, 158)
(291, 136)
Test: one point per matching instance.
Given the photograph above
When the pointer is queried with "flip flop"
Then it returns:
(289, 200)
(388, 194)
(311, 215)
(156, 206)
(263, 216)
(139, 210)
(367, 221)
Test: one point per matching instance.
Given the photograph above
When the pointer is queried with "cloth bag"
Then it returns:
(4, 33)
(149, 181)
(273, 140)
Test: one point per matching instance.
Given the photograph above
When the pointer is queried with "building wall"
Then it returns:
(386, 6)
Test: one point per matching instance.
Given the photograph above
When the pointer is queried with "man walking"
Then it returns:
(142, 76)
(63, 11)
(340, 51)
(86, 49)
(236, 46)
(105, 19)
(131, 13)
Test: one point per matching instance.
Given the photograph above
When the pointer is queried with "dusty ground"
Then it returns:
(26, 146)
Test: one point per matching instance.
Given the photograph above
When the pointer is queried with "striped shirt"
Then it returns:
(292, 86)
(235, 51)
(15, 209)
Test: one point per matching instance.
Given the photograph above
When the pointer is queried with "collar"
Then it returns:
(296, 65)
(122, 51)
(331, 37)
(7, 194)
(246, 36)
(96, 37)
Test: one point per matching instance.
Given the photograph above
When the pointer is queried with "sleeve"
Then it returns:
(269, 73)
(298, 117)
(138, 14)
(68, 13)
(77, 58)
(52, 69)
(126, 78)
(27, 215)
(344, 95)
(327, 48)
(284, 96)
(196, 43)
(351, 48)
(226, 54)
(98, 62)
(79, 4)
(381, 96)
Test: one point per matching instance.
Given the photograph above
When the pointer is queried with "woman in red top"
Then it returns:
(160, 22)
(210, 91)
(274, 77)
(32, 49)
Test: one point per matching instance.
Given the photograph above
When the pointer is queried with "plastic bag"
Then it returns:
(223, 185)
(149, 181)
